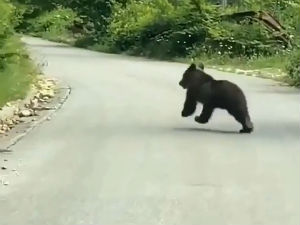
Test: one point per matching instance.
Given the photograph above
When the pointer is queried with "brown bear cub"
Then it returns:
(212, 93)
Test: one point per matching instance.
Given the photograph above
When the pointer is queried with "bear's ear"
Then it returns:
(192, 66)
(201, 66)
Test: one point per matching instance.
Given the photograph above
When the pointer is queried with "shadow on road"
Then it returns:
(189, 129)
(5, 151)
(49, 45)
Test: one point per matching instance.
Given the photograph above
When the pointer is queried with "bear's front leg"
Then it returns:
(189, 105)
(205, 114)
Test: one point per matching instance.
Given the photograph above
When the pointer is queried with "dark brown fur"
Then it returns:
(212, 93)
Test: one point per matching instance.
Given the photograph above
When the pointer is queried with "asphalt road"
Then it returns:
(118, 152)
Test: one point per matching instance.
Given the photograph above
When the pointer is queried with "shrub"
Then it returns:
(54, 25)
(186, 28)
(16, 70)
(158, 27)
(6, 18)
(293, 67)
(127, 25)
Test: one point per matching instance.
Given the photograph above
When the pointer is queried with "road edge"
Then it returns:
(14, 136)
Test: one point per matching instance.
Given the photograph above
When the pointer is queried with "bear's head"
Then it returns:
(188, 77)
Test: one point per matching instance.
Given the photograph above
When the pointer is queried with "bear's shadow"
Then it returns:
(5, 151)
(207, 130)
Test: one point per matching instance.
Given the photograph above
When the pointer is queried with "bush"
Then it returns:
(54, 25)
(16, 70)
(6, 19)
(293, 67)
(248, 40)
(185, 28)
(128, 25)
(158, 28)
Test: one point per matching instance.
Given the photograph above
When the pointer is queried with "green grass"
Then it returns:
(17, 72)
(276, 62)
(272, 67)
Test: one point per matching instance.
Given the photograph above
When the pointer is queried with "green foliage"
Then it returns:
(239, 40)
(95, 14)
(286, 11)
(128, 26)
(54, 25)
(293, 67)
(138, 15)
(6, 18)
(158, 27)
(16, 70)
(290, 17)
(167, 28)
(187, 28)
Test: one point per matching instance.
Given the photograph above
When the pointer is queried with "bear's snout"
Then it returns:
(181, 84)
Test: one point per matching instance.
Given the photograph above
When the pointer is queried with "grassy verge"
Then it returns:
(17, 72)
(277, 62)
(273, 67)
(16, 69)
(281, 67)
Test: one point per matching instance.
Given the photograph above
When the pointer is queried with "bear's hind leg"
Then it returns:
(248, 126)
(242, 116)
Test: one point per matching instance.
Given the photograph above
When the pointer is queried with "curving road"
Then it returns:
(118, 152)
